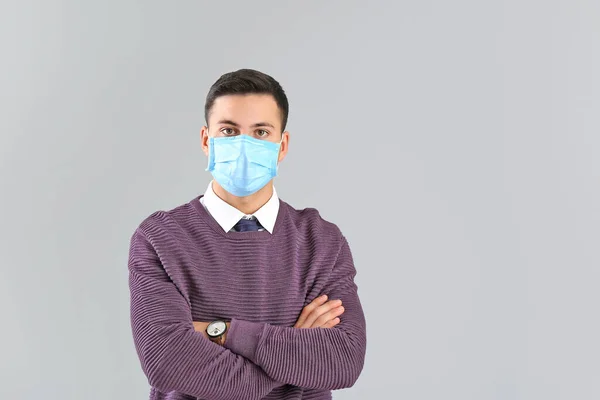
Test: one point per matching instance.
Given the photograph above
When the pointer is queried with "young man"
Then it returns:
(229, 290)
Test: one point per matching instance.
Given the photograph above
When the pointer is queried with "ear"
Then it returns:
(283, 149)
(204, 139)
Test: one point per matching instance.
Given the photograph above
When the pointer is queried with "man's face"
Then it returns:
(255, 115)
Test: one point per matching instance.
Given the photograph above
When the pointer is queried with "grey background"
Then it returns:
(455, 143)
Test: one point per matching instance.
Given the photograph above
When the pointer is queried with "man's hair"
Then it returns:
(248, 81)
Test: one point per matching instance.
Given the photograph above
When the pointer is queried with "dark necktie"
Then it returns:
(247, 225)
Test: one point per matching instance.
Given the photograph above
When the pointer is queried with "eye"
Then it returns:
(227, 131)
(262, 133)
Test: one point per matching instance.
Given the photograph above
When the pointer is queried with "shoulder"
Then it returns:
(163, 221)
(310, 221)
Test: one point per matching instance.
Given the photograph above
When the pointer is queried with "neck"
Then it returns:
(248, 204)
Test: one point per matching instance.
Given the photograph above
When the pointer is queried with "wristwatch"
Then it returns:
(216, 331)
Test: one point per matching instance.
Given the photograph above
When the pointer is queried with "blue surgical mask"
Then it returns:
(242, 165)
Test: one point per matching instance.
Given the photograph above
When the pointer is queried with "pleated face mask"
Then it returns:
(241, 164)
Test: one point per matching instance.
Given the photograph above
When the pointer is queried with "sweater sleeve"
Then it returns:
(173, 356)
(316, 358)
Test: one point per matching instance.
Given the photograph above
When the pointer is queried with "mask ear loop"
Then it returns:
(211, 154)
(277, 158)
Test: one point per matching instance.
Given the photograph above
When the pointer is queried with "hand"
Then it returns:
(320, 314)
(200, 326)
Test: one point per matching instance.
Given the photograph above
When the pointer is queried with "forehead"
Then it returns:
(246, 109)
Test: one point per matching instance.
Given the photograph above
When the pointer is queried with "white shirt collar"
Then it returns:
(227, 216)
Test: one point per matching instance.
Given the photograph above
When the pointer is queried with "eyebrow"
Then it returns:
(230, 122)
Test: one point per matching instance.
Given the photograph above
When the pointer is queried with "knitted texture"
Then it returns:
(183, 267)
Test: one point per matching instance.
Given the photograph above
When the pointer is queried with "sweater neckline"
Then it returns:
(210, 221)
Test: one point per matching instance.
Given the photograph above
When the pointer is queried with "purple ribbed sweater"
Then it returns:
(183, 267)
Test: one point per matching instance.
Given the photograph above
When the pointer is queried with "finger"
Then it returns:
(328, 316)
(317, 312)
(331, 323)
(308, 309)
(301, 322)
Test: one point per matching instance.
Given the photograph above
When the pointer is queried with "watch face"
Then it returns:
(216, 328)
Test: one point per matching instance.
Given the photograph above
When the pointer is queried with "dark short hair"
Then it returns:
(248, 81)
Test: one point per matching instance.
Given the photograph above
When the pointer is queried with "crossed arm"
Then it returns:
(257, 357)
(320, 313)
